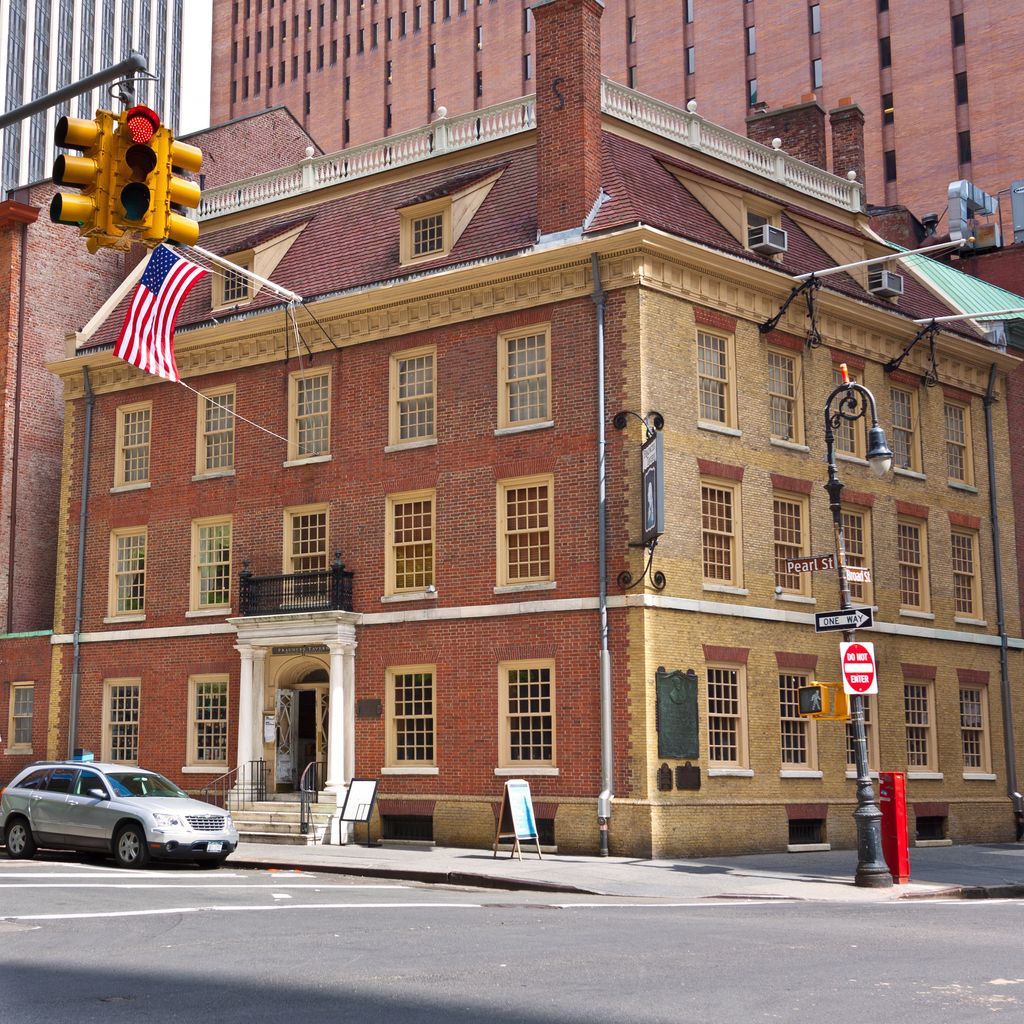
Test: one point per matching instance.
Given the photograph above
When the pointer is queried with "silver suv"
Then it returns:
(129, 812)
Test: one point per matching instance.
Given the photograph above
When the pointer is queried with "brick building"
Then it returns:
(931, 76)
(404, 583)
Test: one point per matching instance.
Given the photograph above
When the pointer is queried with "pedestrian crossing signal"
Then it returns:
(825, 701)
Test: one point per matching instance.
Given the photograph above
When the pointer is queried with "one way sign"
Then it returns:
(852, 618)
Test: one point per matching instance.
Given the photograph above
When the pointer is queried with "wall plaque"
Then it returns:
(678, 720)
(368, 707)
(302, 649)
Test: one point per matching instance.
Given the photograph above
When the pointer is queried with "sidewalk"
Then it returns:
(976, 871)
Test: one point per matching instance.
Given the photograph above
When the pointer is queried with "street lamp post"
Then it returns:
(848, 403)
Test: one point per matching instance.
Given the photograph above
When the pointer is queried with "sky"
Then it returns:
(195, 66)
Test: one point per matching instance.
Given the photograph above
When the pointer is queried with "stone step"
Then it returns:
(280, 838)
(283, 816)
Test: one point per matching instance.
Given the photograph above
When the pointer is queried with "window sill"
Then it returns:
(202, 769)
(808, 847)
(796, 598)
(311, 461)
(979, 777)
(932, 842)
(525, 588)
(855, 460)
(18, 751)
(872, 774)
(523, 428)
(427, 442)
(910, 474)
(125, 488)
(962, 621)
(219, 474)
(513, 773)
(718, 428)
(800, 773)
(793, 446)
(730, 773)
(115, 620)
(208, 613)
(959, 485)
(425, 770)
(419, 595)
(926, 776)
(718, 588)
(909, 613)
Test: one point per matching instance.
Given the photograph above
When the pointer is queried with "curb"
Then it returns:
(459, 878)
(1012, 890)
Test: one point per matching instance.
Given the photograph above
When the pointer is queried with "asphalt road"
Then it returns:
(81, 941)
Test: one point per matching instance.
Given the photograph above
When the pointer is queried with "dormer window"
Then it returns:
(426, 230)
(428, 235)
(235, 286)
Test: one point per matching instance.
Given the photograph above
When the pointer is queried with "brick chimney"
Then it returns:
(801, 128)
(847, 124)
(568, 48)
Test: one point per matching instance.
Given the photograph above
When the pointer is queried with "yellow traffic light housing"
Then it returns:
(825, 701)
(90, 210)
(136, 170)
(182, 193)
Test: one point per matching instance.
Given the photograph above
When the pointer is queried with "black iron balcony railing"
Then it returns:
(316, 591)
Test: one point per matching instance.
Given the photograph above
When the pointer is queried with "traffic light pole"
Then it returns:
(127, 68)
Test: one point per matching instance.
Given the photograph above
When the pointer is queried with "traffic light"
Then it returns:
(826, 701)
(90, 210)
(146, 192)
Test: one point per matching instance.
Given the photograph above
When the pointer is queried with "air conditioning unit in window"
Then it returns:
(885, 283)
(767, 239)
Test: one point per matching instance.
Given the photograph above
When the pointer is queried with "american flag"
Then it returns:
(147, 335)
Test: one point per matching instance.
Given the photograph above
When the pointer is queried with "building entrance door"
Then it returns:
(301, 734)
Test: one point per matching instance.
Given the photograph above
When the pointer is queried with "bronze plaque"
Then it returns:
(678, 720)
(368, 708)
(687, 776)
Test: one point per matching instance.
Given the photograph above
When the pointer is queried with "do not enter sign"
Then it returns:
(858, 664)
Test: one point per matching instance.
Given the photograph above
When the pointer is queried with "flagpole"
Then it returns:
(884, 259)
(235, 268)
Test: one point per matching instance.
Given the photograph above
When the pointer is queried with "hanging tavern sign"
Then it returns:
(652, 481)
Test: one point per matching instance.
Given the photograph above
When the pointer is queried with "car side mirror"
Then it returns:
(100, 794)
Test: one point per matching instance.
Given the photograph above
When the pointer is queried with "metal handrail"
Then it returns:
(318, 590)
(310, 784)
(232, 790)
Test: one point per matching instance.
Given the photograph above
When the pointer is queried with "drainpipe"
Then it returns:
(16, 426)
(1004, 664)
(83, 518)
(604, 800)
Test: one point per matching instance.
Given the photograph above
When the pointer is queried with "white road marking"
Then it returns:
(277, 907)
(195, 885)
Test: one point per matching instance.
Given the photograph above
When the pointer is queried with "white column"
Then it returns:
(336, 738)
(349, 684)
(259, 656)
(245, 706)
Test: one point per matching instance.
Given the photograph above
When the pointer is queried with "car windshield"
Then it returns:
(143, 784)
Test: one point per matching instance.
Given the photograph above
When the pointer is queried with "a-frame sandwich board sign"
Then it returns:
(516, 820)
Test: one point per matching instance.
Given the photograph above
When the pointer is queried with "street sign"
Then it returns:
(852, 618)
(858, 664)
(858, 574)
(812, 563)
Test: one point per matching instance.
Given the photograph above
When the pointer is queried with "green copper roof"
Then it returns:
(968, 294)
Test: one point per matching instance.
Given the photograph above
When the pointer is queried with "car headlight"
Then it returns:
(168, 820)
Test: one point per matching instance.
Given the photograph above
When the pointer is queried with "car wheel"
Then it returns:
(212, 862)
(130, 850)
(20, 842)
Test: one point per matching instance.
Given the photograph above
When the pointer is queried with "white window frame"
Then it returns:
(213, 399)
(915, 728)
(392, 675)
(194, 683)
(423, 402)
(109, 686)
(140, 478)
(114, 609)
(797, 725)
(924, 576)
(909, 429)
(196, 602)
(16, 716)
(971, 573)
(735, 548)
(506, 716)
(504, 488)
(782, 549)
(296, 383)
(779, 395)
(958, 449)
(740, 718)
(975, 731)
(289, 557)
(724, 383)
(392, 558)
(507, 382)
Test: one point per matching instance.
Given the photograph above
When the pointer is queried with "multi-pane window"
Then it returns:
(904, 429)
(957, 423)
(784, 409)
(911, 557)
(215, 445)
(305, 540)
(525, 378)
(310, 426)
(526, 531)
(428, 235)
(411, 716)
(974, 728)
(133, 436)
(919, 720)
(211, 563)
(857, 542)
(528, 715)
(789, 515)
(19, 727)
(411, 537)
(121, 722)
(727, 741)
(235, 286)
(208, 734)
(849, 437)
(966, 589)
(796, 731)
(870, 736)
(719, 533)
(128, 571)
(414, 395)
(713, 375)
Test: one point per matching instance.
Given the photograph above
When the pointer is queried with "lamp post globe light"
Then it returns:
(848, 403)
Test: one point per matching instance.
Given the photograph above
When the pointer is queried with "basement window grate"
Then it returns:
(806, 831)
(931, 827)
(416, 827)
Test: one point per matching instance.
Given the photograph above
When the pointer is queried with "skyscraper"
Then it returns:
(49, 44)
